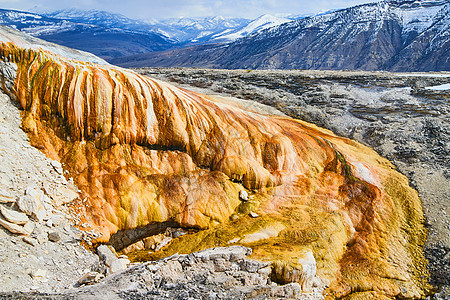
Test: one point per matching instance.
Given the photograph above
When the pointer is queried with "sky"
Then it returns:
(161, 9)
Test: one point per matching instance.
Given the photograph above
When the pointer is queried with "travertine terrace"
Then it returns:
(145, 153)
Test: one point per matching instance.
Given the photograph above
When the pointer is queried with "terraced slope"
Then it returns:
(149, 155)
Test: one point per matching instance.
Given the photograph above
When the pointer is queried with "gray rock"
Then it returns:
(233, 253)
(14, 228)
(222, 265)
(40, 236)
(253, 266)
(54, 236)
(56, 219)
(57, 166)
(266, 271)
(63, 195)
(178, 232)
(139, 245)
(32, 203)
(290, 290)
(166, 241)
(195, 276)
(38, 274)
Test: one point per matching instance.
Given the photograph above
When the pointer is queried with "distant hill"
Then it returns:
(387, 35)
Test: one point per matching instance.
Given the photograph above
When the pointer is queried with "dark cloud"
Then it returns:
(158, 9)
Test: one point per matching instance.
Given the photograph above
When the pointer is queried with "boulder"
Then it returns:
(253, 214)
(134, 247)
(54, 236)
(232, 253)
(106, 254)
(118, 265)
(31, 241)
(166, 241)
(62, 194)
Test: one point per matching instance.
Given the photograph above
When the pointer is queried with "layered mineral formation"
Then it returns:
(145, 153)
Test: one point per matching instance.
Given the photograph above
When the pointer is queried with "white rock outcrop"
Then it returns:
(13, 216)
(243, 195)
(27, 229)
(5, 197)
(32, 203)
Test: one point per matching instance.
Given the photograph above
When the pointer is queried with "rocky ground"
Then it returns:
(396, 114)
(51, 258)
(220, 273)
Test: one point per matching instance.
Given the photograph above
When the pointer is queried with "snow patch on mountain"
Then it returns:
(261, 23)
(417, 18)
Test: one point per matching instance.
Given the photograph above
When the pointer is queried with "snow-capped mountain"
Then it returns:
(101, 18)
(110, 35)
(94, 16)
(192, 30)
(404, 35)
(34, 24)
(180, 30)
(259, 24)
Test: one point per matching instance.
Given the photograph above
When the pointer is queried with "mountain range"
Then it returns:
(103, 38)
(387, 35)
(407, 35)
(111, 35)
